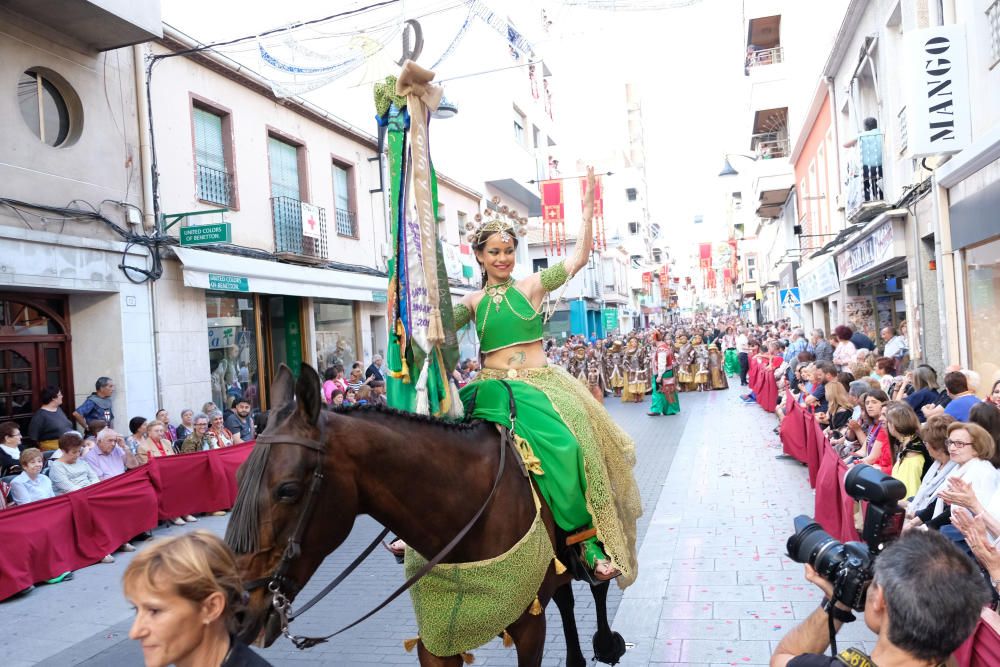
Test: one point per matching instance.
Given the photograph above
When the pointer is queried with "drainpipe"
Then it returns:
(832, 95)
(148, 218)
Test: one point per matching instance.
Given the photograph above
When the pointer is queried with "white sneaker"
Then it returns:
(127, 547)
(108, 559)
(178, 521)
(190, 518)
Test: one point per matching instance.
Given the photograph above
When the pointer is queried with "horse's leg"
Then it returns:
(563, 598)
(600, 593)
(609, 646)
(428, 659)
(528, 633)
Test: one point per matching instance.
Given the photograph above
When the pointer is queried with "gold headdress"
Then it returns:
(501, 220)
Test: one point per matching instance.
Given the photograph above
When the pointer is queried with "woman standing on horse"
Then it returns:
(586, 459)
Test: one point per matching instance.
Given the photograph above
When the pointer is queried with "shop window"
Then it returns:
(982, 280)
(232, 349)
(336, 340)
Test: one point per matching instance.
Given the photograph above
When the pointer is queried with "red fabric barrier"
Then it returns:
(982, 649)
(46, 538)
(792, 431)
(767, 397)
(816, 444)
(753, 377)
(834, 508)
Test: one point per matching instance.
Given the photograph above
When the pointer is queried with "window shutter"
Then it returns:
(341, 189)
(284, 169)
(208, 146)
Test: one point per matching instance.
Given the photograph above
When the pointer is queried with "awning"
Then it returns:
(520, 194)
(215, 270)
(772, 201)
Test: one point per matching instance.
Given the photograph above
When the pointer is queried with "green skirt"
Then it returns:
(586, 458)
(732, 362)
(661, 406)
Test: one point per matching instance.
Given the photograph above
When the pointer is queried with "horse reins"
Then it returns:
(277, 583)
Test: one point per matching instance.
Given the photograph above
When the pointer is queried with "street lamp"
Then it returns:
(727, 168)
(446, 109)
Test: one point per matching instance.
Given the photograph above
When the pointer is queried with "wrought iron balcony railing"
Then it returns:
(347, 223)
(766, 57)
(288, 229)
(769, 145)
(215, 185)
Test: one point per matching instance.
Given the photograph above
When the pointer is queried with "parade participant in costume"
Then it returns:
(716, 370)
(702, 381)
(665, 400)
(614, 368)
(577, 363)
(595, 374)
(586, 459)
(636, 373)
(686, 364)
(732, 362)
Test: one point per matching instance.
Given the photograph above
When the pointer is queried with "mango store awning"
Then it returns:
(215, 270)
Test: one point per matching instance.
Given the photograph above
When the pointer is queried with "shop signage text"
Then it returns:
(819, 281)
(203, 234)
(226, 283)
(869, 252)
(937, 91)
(380, 296)
(610, 319)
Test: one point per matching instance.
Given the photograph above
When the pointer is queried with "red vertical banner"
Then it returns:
(705, 255)
(647, 282)
(553, 215)
(664, 283)
(600, 240)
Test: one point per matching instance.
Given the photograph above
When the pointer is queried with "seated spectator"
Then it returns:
(378, 392)
(825, 372)
(860, 340)
(364, 395)
(350, 398)
(357, 378)
(336, 399)
(859, 369)
(239, 421)
(209, 408)
(884, 369)
(845, 378)
(988, 416)
(154, 444)
(910, 458)
(962, 398)
(870, 432)
(94, 427)
(971, 485)
(217, 429)
(50, 421)
(934, 434)
(838, 411)
(137, 429)
(185, 428)
(4, 495)
(994, 397)
(31, 485)
(186, 593)
(923, 382)
(111, 457)
(10, 448)
(169, 432)
(199, 440)
(70, 472)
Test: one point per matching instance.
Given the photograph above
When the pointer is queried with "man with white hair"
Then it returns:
(374, 370)
(821, 346)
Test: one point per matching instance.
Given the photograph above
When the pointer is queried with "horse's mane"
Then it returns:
(379, 409)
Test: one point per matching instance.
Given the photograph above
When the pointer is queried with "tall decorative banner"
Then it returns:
(664, 283)
(647, 283)
(422, 343)
(553, 217)
(600, 241)
(705, 255)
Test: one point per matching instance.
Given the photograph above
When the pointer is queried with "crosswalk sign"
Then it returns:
(790, 298)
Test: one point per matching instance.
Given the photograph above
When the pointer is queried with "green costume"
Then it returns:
(586, 459)
(660, 404)
(732, 362)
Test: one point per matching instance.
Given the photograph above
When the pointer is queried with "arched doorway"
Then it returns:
(34, 352)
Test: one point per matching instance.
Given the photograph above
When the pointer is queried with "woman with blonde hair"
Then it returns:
(186, 591)
(911, 460)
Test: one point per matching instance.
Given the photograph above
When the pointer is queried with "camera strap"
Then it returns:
(853, 657)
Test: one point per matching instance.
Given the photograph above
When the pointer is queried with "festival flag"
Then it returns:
(705, 254)
(664, 282)
(422, 345)
(553, 215)
(647, 282)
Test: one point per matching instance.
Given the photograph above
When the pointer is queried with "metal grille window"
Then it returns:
(345, 217)
(284, 159)
(214, 183)
(993, 23)
(288, 237)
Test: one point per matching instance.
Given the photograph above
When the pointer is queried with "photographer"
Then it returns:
(923, 602)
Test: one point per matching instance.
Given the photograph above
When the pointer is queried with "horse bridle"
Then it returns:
(283, 589)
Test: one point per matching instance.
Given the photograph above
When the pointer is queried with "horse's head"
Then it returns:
(281, 526)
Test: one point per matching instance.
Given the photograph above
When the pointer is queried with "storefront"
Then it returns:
(818, 281)
(872, 270)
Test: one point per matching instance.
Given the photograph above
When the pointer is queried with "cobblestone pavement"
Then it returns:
(86, 621)
(713, 589)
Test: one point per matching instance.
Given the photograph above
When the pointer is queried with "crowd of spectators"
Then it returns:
(935, 432)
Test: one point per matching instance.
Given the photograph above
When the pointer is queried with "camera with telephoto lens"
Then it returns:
(849, 567)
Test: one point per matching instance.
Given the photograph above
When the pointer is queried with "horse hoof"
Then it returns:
(608, 650)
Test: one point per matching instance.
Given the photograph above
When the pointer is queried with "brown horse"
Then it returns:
(420, 477)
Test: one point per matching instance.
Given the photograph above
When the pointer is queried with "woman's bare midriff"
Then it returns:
(525, 355)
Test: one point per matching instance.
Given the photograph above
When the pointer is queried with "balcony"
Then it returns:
(769, 145)
(215, 186)
(100, 24)
(764, 57)
(347, 223)
(290, 238)
(865, 182)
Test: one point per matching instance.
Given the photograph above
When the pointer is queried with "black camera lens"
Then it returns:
(863, 482)
(813, 545)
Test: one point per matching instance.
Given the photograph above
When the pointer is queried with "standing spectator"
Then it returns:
(111, 457)
(743, 354)
(895, 345)
(10, 447)
(845, 353)
(374, 369)
(31, 485)
(199, 439)
(169, 432)
(860, 340)
(137, 431)
(70, 472)
(185, 428)
(239, 422)
(357, 379)
(98, 404)
(50, 421)
(988, 416)
(821, 348)
(217, 429)
(378, 392)
(884, 368)
(209, 408)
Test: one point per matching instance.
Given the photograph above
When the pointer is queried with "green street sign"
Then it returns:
(379, 296)
(610, 319)
(226, 283)
(220, 232)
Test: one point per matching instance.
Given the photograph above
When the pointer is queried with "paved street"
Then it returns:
(713, 587)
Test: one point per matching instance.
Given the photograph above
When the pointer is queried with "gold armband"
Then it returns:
(462, 315)
(554, 276)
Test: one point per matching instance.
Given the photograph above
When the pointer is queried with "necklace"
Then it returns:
(498, 292)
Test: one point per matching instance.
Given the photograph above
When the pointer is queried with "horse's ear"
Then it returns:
(283, 386)
(308, 393)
